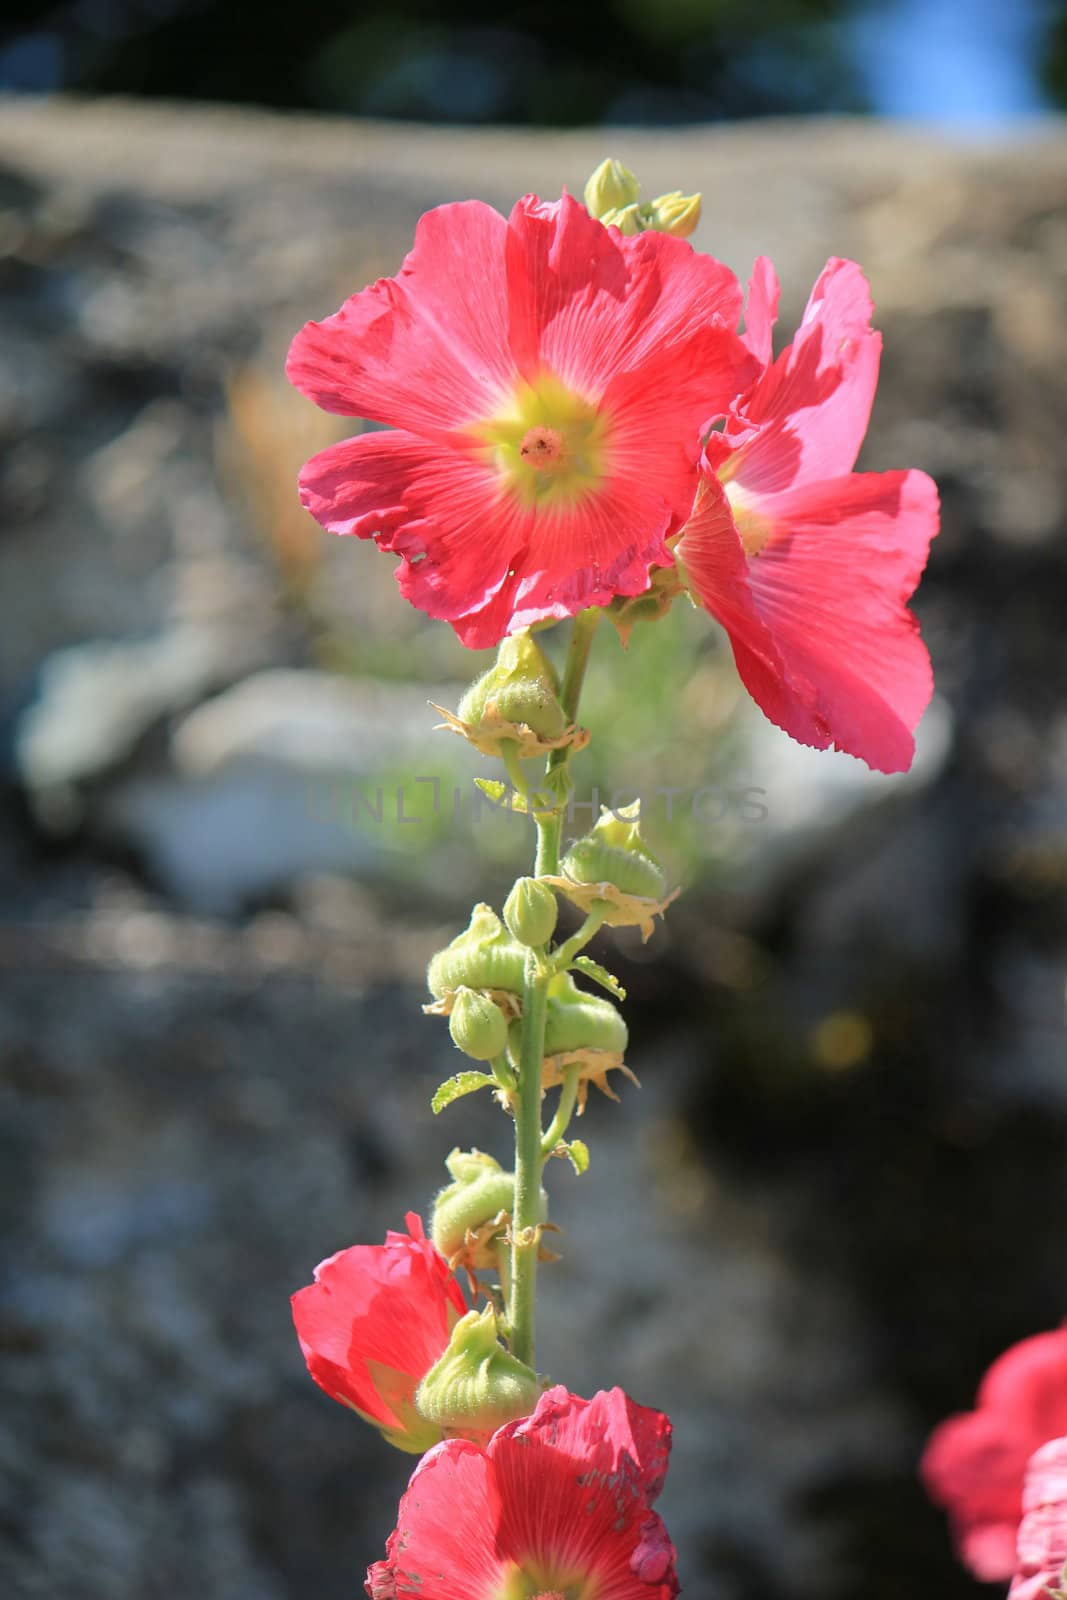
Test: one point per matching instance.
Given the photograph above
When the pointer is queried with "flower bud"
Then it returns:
(477, 1025)
(471, 1213)
(477, 1385)
(628, 219)
(611, 187)
(530, 912)
(481, 957)
(675, 213)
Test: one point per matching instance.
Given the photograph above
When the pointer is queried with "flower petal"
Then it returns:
(375, 1316)
(811, 407)
(428, 349)
(1042, 1545)
(475, 555)
(830, 585)
(444, 1546)
(615, 1452)
(714, 562)
(590, 304)
(761, 310)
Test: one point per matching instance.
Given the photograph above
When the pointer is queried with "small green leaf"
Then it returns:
(601, 975)
(578, 1155)
(454, 1088)
(502, 795)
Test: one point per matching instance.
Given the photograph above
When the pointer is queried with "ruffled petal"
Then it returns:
(589, 304)
(615, 1454)
(428, 349)
(1028, 1383)
(376, 1318)
(830, 584)
(717, 570)
(444, 1547)
(761, 310)
(1042, 1544)
(443, 511)
(811, 407)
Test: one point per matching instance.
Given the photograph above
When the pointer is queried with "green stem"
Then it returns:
(549, 835)
(565, 953)
(529, 1155)
(568, 1095)
(528, 1161)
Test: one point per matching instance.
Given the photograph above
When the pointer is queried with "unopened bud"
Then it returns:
(477, 1025)
(675, 213)
(483, 956)
(530, 912)
(477, 1385)
(611, 187)
(628, 219)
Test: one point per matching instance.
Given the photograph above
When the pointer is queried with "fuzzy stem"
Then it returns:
(528, 1161)
(529, 1155)
(548, 836)
(564, 1111)
(565, 953)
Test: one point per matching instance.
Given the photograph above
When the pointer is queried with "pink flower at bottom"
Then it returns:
(546, 379)
(372, 1325)
(975, 1463)
(807, 564)
(556, 1507)
(1042, 1549)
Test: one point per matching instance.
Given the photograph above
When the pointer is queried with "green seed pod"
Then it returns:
(530, 912)
(520, 687)
(591, 861)
(481, 957)
(477, 1026)
(614, 852)
(611, 187)
(477, 1385)
(580, 1021)
(464, 1225)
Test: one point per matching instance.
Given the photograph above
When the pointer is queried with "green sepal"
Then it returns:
(607, 980)
(456, 1087)
(577, 1153)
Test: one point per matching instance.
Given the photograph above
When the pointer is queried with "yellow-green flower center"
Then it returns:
(536, 1582)
(549, 446)
(754, 528)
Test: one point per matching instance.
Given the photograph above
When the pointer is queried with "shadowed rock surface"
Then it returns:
(843, 1187)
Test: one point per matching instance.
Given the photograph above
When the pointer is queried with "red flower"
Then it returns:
(1042, 1558)
(556, 1507)
(547, 378)
(372, 1325)
(974, 1464)
(807, 564)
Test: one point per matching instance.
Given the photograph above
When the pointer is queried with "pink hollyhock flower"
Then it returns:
(372, 1325)
(1042, 1558)
(547, 379)
(974, 1464)
(555, 1506)
(807, 564)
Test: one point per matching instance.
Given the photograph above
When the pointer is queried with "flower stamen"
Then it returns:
(542, 449)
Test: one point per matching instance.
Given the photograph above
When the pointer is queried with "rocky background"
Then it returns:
(843, 1187)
